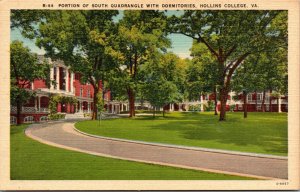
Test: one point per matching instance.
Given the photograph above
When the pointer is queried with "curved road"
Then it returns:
(62, 134)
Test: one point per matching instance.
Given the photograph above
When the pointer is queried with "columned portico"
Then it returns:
(57, 79)
(39, 102)
(35, 104)
(67, 80)
(51, 77)
(202, 104)
(89, 107)
(71, 84)
(279, 105)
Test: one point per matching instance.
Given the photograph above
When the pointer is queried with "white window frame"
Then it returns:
(259, 96)
(240, 107)
(249, 97)
(44, 118)
(13, 120)
(28, 119)
(258, 107)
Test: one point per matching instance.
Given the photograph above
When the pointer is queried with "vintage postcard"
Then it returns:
(149, 95)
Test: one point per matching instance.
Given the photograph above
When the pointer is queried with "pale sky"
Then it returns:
(180, 43)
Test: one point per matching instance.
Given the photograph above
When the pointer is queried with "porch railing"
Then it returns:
(29, 109)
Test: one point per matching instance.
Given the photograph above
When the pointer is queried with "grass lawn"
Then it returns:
(260, 133)
(31, 160)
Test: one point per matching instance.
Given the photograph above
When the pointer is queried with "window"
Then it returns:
(13, 120)
(43, 118)
(89, 94)
(81, 92)
(28, 119)
(240, 107)
(267, 107)
(249, 97)
(267, 98)
(258, 107)
(259, 97)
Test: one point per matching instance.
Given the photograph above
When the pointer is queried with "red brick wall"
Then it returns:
(36, 116)
(39, 84)
(252, 108)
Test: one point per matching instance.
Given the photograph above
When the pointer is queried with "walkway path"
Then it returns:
(62, 134)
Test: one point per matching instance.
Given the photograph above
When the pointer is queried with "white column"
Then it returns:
(57, 78)
(112, 108)
(89, 107)
(279, 105)
(39, 103)
(51, 77)
(121, 106)
(67, 80)
(80, 106)
(71, 84)
(35, 104)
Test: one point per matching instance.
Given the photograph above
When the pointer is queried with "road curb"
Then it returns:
(184, 147)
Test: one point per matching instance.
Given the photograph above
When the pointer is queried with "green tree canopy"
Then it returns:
(231, 36)
(82, 39)
(140, 34)
(25, 67)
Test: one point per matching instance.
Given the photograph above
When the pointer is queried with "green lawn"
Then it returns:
(260, 133)
(31, 160)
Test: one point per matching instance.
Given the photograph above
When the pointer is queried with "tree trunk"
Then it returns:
(223, 100)
(245, 104)
(256, 101)
(95, 109)
(131, 98)
(270, 101)
(263, 109)
(278, 104)
(216, 100)
(19, 110)
(163, 112)
(153, 112)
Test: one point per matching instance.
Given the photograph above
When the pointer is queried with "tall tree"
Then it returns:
(140, 34)
(203, 73)
(231, 36)
(272, 72)
(163, 80)
(244, 81)
(25, 67)
(82, 39)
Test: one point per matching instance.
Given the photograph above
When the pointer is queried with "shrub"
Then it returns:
(87, 115)
(57, 116)
(196, 107)
(232, 107)
(209, 106)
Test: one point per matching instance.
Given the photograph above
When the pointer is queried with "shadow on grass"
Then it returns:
(261, 132)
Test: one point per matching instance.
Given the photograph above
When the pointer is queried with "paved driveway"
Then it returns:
(62, 134)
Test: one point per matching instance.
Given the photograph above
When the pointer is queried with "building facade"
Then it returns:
(67, 84)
